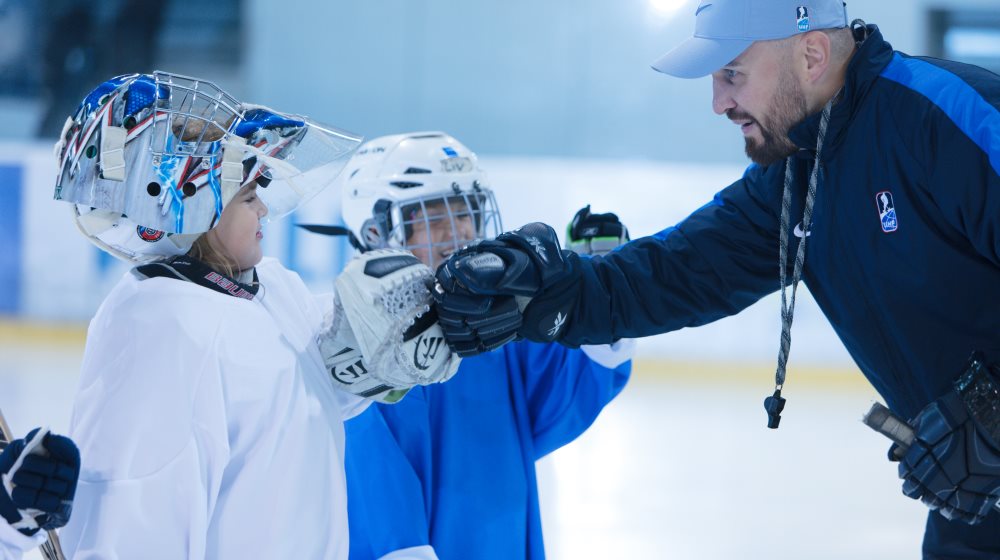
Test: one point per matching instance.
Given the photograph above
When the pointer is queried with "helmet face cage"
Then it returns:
(192, 116)
(167, 135)
(165, 154)
(435, 226)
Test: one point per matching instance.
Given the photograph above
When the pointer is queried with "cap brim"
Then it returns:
(698, 56)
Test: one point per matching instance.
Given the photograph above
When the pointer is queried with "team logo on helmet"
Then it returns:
(148, 234)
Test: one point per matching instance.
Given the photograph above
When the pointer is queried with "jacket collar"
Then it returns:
(865, 67)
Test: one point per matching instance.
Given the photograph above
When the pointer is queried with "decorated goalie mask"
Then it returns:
(150, 161)
(423, 192)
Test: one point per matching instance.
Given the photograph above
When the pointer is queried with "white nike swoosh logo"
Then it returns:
(798, 231)
(700, 8)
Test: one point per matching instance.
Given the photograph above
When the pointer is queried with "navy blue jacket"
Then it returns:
(903, 255)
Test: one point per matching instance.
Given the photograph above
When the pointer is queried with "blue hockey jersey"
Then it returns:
(903, 253)
(453, 465)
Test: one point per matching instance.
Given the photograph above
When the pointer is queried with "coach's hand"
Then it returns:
(483, 289)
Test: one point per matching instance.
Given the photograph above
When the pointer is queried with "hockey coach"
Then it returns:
(875, 179)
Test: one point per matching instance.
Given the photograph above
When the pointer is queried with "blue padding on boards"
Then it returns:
(11, 243)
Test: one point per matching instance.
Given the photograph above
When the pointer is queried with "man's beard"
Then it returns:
(788, 109)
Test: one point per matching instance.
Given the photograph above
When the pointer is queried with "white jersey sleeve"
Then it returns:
(13, 544)
(611, 355)
(317, 309)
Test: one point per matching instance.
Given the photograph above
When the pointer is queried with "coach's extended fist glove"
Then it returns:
(383, 337)
(595, 234)
(484, 288)
(953, 464)
(39, 475)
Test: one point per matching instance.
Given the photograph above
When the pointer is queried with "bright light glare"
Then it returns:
(666, 7)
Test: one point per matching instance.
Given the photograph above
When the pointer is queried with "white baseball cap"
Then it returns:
(725, 28)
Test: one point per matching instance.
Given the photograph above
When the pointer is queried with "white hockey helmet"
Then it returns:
(150, 161)
(396, 185)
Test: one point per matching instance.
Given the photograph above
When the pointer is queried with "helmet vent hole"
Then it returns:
(189, 189)
(406, 184)
(129, 123)
(416, 171)
(153, 189)
(91, 151)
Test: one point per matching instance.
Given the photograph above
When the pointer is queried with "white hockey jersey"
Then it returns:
(208, 427)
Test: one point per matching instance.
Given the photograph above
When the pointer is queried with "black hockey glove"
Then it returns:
(473, 324)
(953, 464)
(484, 288)
(595, 234)
(39, 475)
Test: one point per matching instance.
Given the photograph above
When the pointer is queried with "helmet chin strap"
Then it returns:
(231, 172)
(112, 160)
(335, 230)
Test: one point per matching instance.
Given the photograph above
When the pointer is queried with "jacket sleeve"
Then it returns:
(947, 119)
(385, 495)
(716, 262)
(566, 390)
(961, 159)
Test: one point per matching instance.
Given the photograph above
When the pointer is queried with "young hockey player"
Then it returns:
(207, 416)
(449, 472)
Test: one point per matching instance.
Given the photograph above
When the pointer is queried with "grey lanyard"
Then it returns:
(775, 403)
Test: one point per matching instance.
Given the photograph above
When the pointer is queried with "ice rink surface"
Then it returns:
(680, 466)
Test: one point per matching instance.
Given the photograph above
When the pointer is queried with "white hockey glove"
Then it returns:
(383, 337)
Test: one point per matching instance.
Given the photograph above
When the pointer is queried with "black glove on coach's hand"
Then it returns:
(473, 324)
(483, 289)
(953, 464)
(522, 262)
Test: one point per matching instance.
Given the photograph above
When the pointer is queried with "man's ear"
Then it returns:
(815, 49)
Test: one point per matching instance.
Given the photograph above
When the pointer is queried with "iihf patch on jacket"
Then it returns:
(887, 211)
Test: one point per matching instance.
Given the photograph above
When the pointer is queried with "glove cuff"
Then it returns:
(979, 390)
(548, 316)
